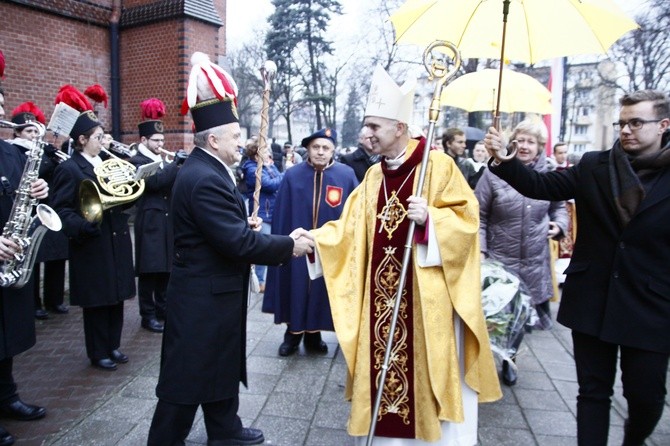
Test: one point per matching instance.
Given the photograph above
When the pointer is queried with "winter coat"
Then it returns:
(513, 230)
(270, 180)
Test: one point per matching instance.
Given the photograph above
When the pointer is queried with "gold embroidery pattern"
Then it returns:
(392, 215)
(395, 397)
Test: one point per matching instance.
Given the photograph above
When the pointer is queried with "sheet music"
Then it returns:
(63, 119)
(146, 170)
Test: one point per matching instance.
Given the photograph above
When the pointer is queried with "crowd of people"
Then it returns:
(325, 238)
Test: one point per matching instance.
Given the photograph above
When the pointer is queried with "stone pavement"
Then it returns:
(296, 400)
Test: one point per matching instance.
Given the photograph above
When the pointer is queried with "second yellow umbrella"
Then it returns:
(478, 91)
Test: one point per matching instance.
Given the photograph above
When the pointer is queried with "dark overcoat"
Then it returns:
(359, 161)
(617, 286)
(204, 344)
(17, 306)
(154, 236)
(101, 266)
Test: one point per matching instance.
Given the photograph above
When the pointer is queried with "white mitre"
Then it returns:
(387, 100)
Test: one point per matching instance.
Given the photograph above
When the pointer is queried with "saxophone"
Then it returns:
(22, 227)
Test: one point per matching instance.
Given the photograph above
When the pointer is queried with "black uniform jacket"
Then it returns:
(154, 237)
(617, 286)
(204, 344)
(17, 306)
(101, 261)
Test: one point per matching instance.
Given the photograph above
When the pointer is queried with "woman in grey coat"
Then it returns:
(515, 229)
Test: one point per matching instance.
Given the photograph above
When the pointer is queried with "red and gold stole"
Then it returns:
(396, 416)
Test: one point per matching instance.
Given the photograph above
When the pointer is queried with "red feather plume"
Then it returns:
(152, 109)
(2, 65)
(97, 93)
(29, 107)
(74, 98)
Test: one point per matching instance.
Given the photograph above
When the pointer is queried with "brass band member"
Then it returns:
(53, 249)
(101, 257)
(17, 324)
(153, 221)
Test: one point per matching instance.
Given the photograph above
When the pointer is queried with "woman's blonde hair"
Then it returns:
(534, 127)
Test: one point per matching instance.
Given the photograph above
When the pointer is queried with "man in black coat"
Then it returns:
(203, 357)
(362, 158)
(17, 324)
(153, 222)
(616, 297)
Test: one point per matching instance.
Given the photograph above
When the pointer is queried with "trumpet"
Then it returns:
(178, 156)
(123, 149)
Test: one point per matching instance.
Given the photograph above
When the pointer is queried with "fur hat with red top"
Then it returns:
(76, 99)
(211, 95)
(153, 110)
(25, 113)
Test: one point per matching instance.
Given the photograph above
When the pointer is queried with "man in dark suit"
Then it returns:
(616, 297)
(153, 222)
(203, 356)
(17, 326)
(362, 158)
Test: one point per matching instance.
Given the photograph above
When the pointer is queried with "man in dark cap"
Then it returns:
(312, 193)
(153, 221)
(203, 357)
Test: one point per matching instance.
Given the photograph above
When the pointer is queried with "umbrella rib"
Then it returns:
(595, 35)
(467, 24)
(414, 21)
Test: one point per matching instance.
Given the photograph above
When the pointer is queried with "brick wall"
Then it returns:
(155, 62)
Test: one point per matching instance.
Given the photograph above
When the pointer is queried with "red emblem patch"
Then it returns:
(333, 196)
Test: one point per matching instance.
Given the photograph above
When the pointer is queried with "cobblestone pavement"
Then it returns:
(296, 400)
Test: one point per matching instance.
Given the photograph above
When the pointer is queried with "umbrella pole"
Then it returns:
(437, 69)
(496, 115)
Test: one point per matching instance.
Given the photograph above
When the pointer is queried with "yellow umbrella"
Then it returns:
(536, 29)
(478, 91)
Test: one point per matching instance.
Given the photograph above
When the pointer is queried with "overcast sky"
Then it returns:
(246, 15)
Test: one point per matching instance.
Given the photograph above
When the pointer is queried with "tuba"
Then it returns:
(22, 227)
(117, 179)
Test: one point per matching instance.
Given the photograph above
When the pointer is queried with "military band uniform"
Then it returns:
(101, 259)
(154, 236)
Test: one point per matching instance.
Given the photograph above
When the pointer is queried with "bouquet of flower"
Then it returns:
(507, 308)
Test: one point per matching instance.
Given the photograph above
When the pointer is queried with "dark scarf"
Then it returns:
(632, 177)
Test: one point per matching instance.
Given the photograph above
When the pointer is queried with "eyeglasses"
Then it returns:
(633, 124)
(98, 136)
(157, 141)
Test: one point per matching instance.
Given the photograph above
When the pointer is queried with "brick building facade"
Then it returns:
(49, 43)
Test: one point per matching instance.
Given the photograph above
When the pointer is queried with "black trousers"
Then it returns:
(172, 423)
(102, 330)
(151, 293)
(54, 283)
(7, 385)
(643, 378)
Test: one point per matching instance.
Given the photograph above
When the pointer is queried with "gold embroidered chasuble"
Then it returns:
(437, 292)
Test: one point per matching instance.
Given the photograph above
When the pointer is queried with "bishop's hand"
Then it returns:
(417, 210)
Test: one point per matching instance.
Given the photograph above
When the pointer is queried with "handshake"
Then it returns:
(303, 242)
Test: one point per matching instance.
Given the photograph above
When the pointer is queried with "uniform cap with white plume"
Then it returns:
(211, 95)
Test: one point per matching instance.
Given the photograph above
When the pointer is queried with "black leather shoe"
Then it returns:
(41, 314)
(118, 357)
(509, 375)
(18, 410)
(314, 343)
(152, 325)
(6, 438)
(104, 364)
(290, 344)
(59, 309)
(246, 436)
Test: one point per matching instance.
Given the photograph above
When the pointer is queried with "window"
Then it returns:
(581, 129)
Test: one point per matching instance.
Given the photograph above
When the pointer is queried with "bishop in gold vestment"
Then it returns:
(445, 299)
